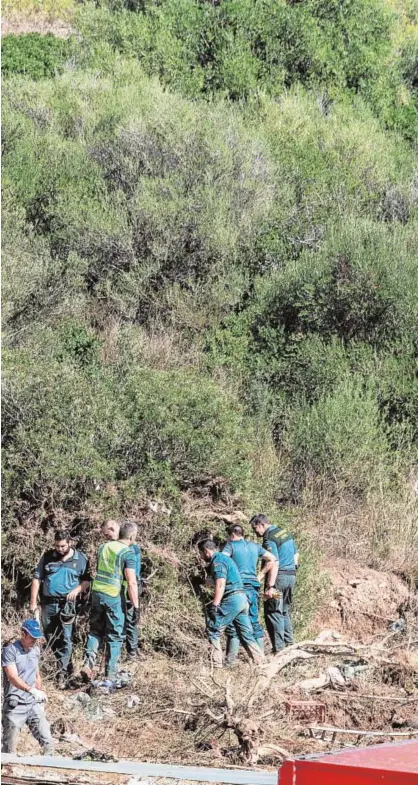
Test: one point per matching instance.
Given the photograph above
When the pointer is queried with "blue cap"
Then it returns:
(31, 626)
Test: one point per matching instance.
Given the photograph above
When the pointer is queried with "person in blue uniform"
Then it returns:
(246, 555)
(132, 618)
(281, 544)
(62, 573)
(229, 605)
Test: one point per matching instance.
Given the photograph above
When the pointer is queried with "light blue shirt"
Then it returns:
(221, 566)
(245, 554)
(26, 665)
(285, 555)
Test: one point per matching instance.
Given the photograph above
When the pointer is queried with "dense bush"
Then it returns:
(209, 299)
(70, 422)
(33, 54)
(171, 214)
(241, 48)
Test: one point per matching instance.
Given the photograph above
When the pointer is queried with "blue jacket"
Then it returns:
(246, 554)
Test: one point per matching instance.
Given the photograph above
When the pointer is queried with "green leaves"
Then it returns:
(240, 49)
(35, 55)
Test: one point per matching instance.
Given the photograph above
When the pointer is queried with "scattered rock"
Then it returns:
(123, 679)
(350, 670)
(397, 626)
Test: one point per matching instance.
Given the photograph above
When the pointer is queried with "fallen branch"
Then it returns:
(172, 711)
(273, 668)
(357, 696)
(356, 732)
(205, 692)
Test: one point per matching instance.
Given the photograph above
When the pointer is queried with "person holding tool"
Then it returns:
(62, 573)
(246, 555)
(277, 608)
(24, 700)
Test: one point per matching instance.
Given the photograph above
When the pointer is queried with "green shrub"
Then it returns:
(205, 298)
(35, 55)
(242, 48)
(81, 424)
(339, 440)
(360, 286)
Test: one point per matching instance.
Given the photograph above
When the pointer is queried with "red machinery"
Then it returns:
(386, 764)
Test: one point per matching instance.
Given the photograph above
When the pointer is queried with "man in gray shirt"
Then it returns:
(24, 700)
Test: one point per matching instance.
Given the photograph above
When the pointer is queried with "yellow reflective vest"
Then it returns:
(110, 567)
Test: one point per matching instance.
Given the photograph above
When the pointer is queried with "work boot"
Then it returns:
(260, 644)
(232, 648)
(216, 653)
(86, 673)
(256, 655)
(134, 656)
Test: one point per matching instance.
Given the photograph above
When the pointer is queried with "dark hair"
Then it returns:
(259, 518)
(235, 528)
(62, 534)
(208, 544)
(127, 530)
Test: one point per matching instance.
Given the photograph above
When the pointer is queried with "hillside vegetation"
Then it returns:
(210, 245)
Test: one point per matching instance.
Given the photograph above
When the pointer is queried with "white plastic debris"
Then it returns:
(133, 700)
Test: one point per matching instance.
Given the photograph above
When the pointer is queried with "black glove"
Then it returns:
(212, 611)
(135, 616)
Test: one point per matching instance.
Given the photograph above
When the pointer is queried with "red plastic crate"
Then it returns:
(310, 711)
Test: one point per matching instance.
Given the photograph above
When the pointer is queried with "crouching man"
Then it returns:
(229, 605)
(24, 700)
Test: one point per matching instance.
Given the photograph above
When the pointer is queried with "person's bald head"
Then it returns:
(110, 530)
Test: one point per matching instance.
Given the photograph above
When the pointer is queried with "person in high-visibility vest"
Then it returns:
(115, 562)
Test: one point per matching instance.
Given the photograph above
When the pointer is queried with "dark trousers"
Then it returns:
(107, 623)
(277, 614)
(131, 629)
(59, 636)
